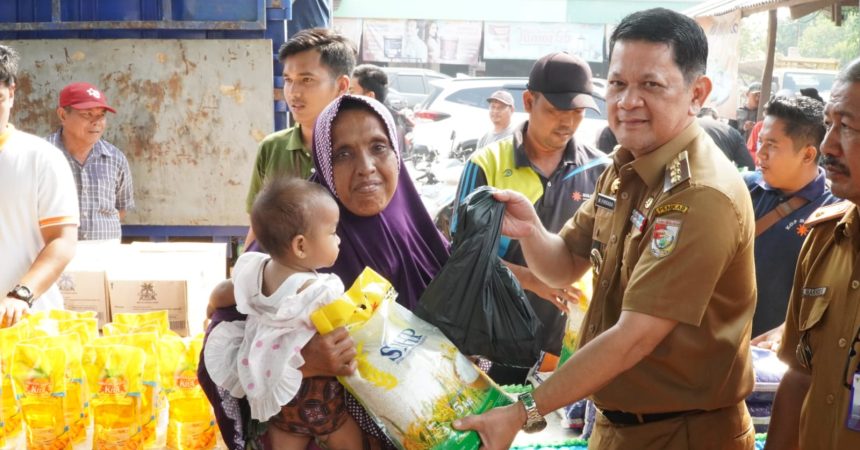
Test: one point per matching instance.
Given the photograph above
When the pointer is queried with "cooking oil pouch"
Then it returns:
(64, 314)
(575, 316)
(40, 324)
(39, 376)
(114, 375)
(10, 411)
(138, 320)
(86, 328)
(76, 398)
(113, 328)
(411, 379)
(151, 398)
(192, 422)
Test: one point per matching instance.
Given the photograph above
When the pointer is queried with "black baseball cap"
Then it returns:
(564, 79)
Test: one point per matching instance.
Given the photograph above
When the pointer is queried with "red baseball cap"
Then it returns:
(83, 96)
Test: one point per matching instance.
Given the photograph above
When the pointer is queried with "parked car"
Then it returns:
(454, 117)
(412, 83)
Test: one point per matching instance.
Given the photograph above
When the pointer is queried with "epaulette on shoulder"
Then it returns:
(677, 171)
(828, 212)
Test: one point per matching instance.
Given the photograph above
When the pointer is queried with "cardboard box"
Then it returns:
(142, 295)
(86, 291)
(200, 265)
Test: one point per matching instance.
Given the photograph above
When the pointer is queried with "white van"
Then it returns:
(797, 79)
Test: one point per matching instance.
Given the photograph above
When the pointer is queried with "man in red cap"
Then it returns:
(101, 170)
(557, 172)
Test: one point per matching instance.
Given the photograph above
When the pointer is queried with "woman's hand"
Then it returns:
(770, 340)
(521, 220)
(561, 298)
(330, 355)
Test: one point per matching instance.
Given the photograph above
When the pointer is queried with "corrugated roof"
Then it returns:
(748, 7)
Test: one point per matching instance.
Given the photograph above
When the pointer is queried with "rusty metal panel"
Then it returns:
(189, 116)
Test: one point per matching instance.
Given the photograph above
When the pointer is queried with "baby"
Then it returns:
(259, 358)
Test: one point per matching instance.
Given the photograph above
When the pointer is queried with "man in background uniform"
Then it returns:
(817, 404)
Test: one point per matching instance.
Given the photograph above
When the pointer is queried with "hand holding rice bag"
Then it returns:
(411, 379)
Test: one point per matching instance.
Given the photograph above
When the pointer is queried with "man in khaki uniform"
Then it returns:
(818, 402)
(664, 351)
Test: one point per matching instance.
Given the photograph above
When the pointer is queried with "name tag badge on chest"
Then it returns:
(638, 220)
(814, 292)
(605, 201)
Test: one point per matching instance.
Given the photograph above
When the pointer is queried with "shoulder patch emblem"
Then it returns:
(671, 207)
(665, 236)
(677, 171)
(508, 172)
(827, 213)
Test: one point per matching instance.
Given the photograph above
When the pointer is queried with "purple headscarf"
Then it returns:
(401, 243)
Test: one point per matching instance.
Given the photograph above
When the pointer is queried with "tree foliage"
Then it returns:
(815, 35)
(822, 39)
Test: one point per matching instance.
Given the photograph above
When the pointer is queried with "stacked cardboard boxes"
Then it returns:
(138, 277)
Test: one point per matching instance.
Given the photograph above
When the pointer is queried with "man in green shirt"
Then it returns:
(317, 65)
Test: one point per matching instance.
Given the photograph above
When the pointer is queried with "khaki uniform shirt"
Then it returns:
(671, 235)
(823, 323)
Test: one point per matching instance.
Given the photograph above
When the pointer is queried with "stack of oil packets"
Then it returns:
(66, 388)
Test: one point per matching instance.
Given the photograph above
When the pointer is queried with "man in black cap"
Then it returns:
(543, 161)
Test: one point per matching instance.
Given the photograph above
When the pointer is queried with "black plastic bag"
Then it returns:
(475, 299)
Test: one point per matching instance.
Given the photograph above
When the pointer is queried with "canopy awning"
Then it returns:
(798, 8)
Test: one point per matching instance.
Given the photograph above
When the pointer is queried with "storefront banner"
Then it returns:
(349, 27)
(421, 41)
(723, 34)
(513, 40)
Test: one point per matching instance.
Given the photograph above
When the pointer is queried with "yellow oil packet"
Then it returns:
(114, 375)
(10, 411)
(86, 328)
(192, 422)
(575, 316)
(64, 314)
(137, 320)
(76, 398)
(39, 376)
(151, 397)
(40, 324)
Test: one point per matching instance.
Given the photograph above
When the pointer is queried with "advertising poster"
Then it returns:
(513, 40)
(421, 41)
(723, 34)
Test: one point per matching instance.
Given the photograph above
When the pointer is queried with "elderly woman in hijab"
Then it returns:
(383, 225)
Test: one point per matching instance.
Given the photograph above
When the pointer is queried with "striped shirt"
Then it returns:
(104, 188)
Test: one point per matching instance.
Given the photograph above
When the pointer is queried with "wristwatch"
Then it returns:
(534, 421)
(22, 292)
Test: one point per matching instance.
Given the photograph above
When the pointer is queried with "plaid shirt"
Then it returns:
(104, 188)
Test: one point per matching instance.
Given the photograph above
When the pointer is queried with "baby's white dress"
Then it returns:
(259, 358)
